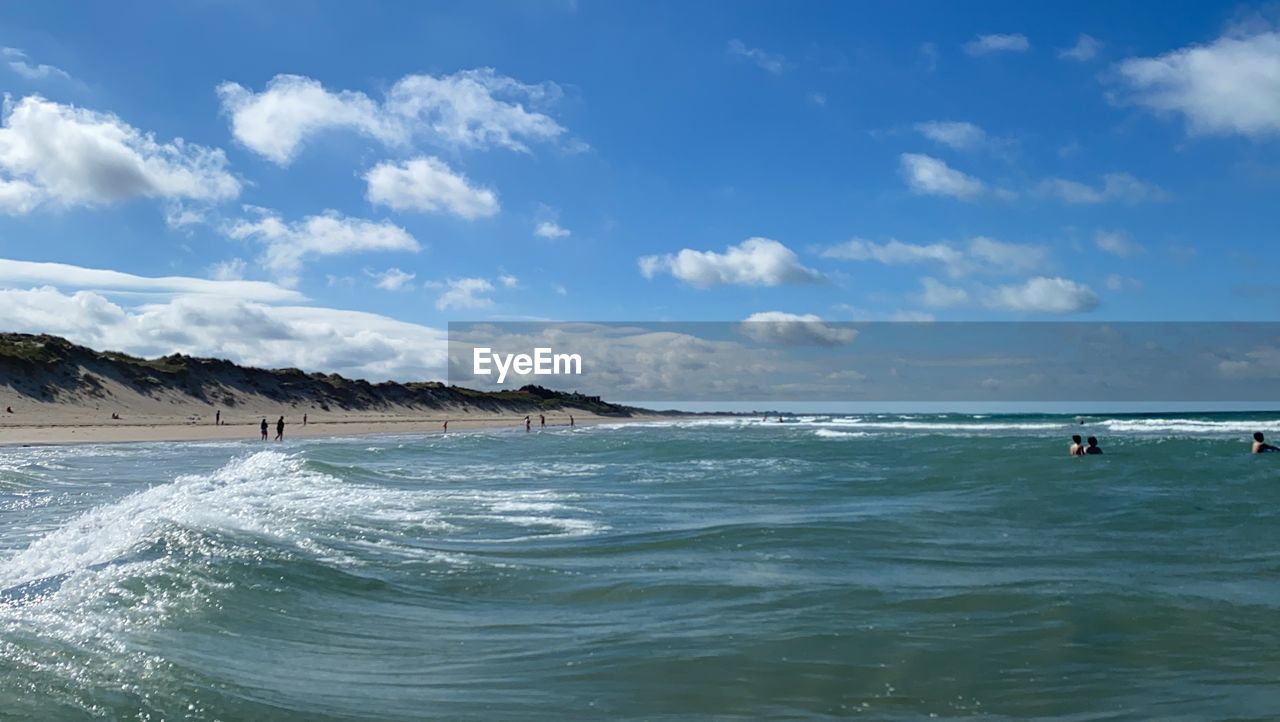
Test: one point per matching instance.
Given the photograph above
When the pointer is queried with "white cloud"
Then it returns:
(754, 262)
(927, 175)
(393, 279)
(940, 295)
(1085, 49)
(352, 343)
(1115, 187)
(232, 270)
(998, 43)
(63, 276)
(468, 109)
(1117, 243)
(55, 153)
(331, 233)
(1230, 86)
(1043, 295)
(818, 99)
(19, 63)
(789, 329)
(959, 135)
(981, 255)
(429, 185)
(895, 252)
(771, 62)
(508, 281)
(462, 293)
(550, 229)
(560, 290)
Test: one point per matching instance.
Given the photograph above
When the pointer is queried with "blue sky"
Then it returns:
(327, 186)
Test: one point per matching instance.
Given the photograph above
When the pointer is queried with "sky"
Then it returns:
(328, 185)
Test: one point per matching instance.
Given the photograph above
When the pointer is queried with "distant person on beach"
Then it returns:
(446, 427)
(217, 418)
(304, 419)
(542, 421)
(571, 419)
(1092, 448)
(527, 424)
(280, 429)
(1260, 446)
(1076, 448)
(264, 428)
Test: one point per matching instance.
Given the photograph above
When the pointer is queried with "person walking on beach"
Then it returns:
(1260, 446)
(446, 426)
(280, 429)
(304, 419)
(570, 420)
(1092, 448)
(542, 421)
(264, 428)
(1076, 448)
(217, 418)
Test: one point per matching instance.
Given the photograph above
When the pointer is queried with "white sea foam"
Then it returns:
(1188, 426)
(833, 434)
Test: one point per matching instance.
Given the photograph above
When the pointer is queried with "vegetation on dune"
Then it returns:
(50, 368)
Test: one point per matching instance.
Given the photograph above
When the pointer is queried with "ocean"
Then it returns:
(893, 567)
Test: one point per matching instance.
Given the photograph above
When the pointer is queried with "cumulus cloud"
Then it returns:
(1117, 243)
(1043, 295)
(959, 135)
(927, 175)
(428, 185)
(771, 62)
(469, 109)
(550, 229)
(353, 343)
(393, 279)
(1229, 86)
(64, 276)
(287, 245)
(69, 156)
(938, 294)
(464, 293)
(790, 329)
(1085, 49)
(754, 262)
(1120, 187)
(980, 255)
(19, 63)
(997, 43)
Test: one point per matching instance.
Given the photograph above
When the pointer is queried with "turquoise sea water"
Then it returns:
(889, 567)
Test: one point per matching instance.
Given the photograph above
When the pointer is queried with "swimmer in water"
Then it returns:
(1260, 446)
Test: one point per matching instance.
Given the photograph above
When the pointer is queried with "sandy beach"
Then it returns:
(48, 424)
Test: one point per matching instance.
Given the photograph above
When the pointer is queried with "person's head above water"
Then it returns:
(1075, 438)
(1257, 436)
(1093, 441)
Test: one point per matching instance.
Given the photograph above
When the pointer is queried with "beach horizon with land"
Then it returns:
(56, 392)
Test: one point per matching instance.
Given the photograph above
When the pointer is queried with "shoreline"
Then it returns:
(55, 434)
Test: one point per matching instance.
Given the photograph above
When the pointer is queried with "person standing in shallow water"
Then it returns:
(1076, 448)
(527, 424)
(280, 429)
(542, 421)
(1260, 446)
(264, 428)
